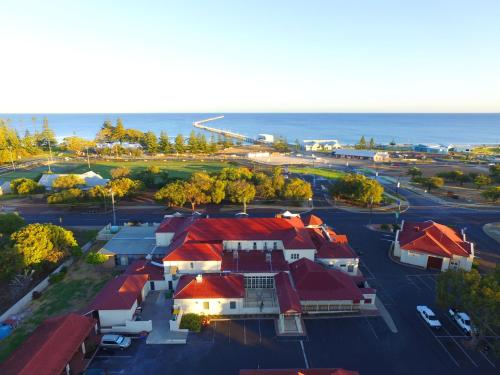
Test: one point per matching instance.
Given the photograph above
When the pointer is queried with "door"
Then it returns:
(434, 263)
(151, 285)
(170, 285)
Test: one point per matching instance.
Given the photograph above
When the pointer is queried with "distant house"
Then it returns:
(431, 245)
(265, 138)
(91, 179)
(431, 148)
(467, 149)
(378, 156)
(126, 145)
(58, 346)
(321, 144)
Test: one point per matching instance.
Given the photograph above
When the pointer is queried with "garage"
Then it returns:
(434, 263)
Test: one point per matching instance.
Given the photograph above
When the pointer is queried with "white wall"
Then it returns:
(164, 239)
(303, 253)
(217, 306)
(109, 318)
(342, 264)
(160, 284)
(412, 257)
(131, 326)
(248, 245)
(198, 266)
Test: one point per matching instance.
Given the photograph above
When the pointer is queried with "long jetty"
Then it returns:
(226, 133)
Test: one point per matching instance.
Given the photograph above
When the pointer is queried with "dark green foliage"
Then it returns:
(191, 321)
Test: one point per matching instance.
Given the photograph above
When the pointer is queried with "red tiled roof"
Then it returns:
(193, 251)
(287, 296)
(331, 250)
(314, 282)
(433, 238)
(309, 371)
(50, 347)
(312, 220)
(211, 286)
(245, 229)
(144, 267)
(254, 261)
(119, 293)
(175, 224)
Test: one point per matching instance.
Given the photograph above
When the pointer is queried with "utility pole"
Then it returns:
(113, 203)
(371, 209)
(12, 159)
(50, 156)
(88, 159)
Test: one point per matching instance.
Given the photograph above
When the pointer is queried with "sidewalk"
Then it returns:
(493, 230)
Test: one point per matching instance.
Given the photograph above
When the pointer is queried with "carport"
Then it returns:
(289, 321)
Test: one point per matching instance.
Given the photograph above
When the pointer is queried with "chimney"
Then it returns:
(199, 278)
(268, 257)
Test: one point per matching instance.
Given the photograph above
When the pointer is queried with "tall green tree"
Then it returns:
(371, 146)
(361, 145)
(241, 191)
(119, 132)
(10, 223)
(47, 136)
(164, 143)
(173, 194)
(67, 182)
(150, 142)
(297, 190)
(180, 146)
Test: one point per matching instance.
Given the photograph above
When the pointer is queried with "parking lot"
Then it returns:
(359, 343)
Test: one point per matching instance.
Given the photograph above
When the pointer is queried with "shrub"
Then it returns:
(192, 322)
(395, 227)
(385, 227)
(96, 258)
(76, 251)
(25, 186)
(36, 295)
(66, 196)
(57, 277)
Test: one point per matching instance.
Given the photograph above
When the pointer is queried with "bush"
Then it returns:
(385, 227)
(395, 227)
(66, 196)
(25, 186)
(191, 322)
(36, 295)
(57, 277)
(76, 251)
(96, 258)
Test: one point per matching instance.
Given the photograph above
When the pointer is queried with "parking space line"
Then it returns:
(304, 353)
(372, 329)
(244, 333)
(419, 278)
(366, 267)
(229, 332)
(486, 357)
(412, 282)
(114, 356)
(215, 328)
(460, 346)
(440, 343)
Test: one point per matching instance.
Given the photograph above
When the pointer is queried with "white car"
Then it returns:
(428, 315)
(115, 342)
(462, 320)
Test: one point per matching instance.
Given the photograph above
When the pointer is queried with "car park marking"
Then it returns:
(114, 356)
(260, 334)
(372, 329)
(486, 357)
(367, 269)
(244, 333)
(460, 346)
(440, 343)
(412, 282)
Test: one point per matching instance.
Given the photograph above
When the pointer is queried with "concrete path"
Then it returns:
(386, 316)
(158, 308)
(493, 230)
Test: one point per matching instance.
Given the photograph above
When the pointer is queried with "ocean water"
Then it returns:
(347, 128)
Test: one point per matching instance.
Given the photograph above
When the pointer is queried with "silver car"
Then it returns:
(115, 342)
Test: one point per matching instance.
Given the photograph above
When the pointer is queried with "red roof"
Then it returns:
(314, 282)
(433, 238)
(337, 248)
(50, 347)
(175, 224)
(210, 286)
(287, 296)
(254, 261)
(144, 267)
(193, 251)
(309, 371)
(119, 293)
(312, 220)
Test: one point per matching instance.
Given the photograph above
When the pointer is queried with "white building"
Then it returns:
(265, 138)
(321, 144)
(432, 245)
(377, 156)
(90, 178)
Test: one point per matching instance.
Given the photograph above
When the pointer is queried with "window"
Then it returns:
(368, 300)
(265, 245)
(259, 282)
(239, 245)
(191, 265)
(275, 245)
(232, 305)
(350, 268)
(294, 256)
(206, 305)
(255, 245)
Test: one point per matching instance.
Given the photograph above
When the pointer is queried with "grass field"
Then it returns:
(175, 168)
(81, 284)
(327, 173)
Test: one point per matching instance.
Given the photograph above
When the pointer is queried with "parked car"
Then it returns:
(241, 214)
(462, 320)
(429, 317)
(115, 342)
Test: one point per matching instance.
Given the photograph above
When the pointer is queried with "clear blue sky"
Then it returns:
(250, 56)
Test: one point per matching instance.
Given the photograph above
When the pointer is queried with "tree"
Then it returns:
(66, 196)
(10, 262)
(217, 191)
(106, 132)
(241, 191)
(361, 145)
(76, 144)
(492, 193)
(119, 132)
(173, 194)
(25, 186)
(194, 194)
(153, 176)
(482, 180)
(120, 172)
(463, 178)
(124, 187)
(414, 172)
(43, 243)
(180, 147)
(67, 182)
(164, 143)
(233, 174)
(495, 172)
(193, 142)
(371, 146)
(150, 142)
(280, 144)
(264, 186)
(10, 223)
(477, 294)
(432, 183)
(357, 188)
(278, 180)
(47, 137)
(297, 189)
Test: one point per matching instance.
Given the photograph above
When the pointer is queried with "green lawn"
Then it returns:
(327, 173)
(81, 284)
(175, 168)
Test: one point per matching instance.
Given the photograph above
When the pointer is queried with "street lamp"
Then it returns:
(371, 209)
(113, 203)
